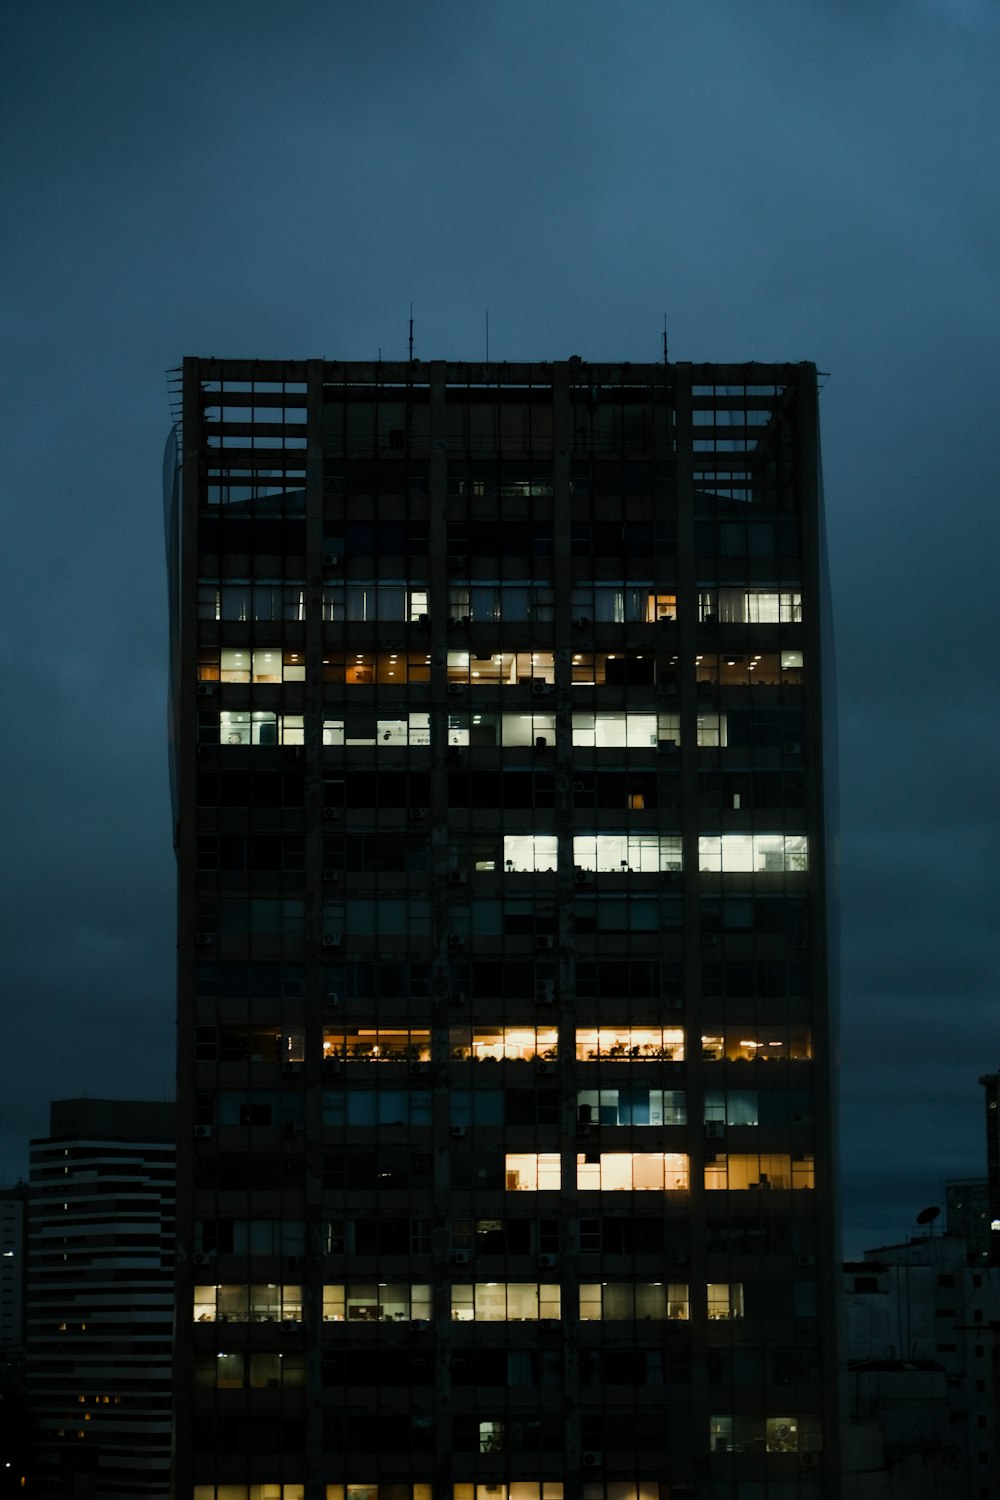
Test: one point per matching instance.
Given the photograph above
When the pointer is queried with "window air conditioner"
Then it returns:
(332, 940)
(458, 1132)
(460, 1257)
(592, 1459)
(205, 689)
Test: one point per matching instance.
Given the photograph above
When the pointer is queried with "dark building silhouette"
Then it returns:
(100, 1300)
(505, 1150)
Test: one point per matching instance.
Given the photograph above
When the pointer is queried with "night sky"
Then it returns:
(782, 180)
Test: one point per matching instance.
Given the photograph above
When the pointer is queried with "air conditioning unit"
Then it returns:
(419, 814)
(667, 689)
(592, 1459)
(457, 877)
(458, 997)
(545, 941)
(204, 939)
(332, 997)
(420, 1325)
(331, 559)
(291, 1067)
(206, 689)
(459, 1132)
(583, 877)
(546, 1067)
(290, 1325)
(420, 1066)
(456, 941)
(545, 991)
(332, 940)
(541, 689)
(204, 1257)
(331, 877)
(709, 939)
(547, 1262)
(333, 814)
(455, 687)
(460, 1257)
(715, 1130)
(203, 1132)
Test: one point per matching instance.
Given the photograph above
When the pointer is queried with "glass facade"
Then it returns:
(505, 1150)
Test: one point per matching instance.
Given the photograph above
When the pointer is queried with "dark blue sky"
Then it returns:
(784, 181)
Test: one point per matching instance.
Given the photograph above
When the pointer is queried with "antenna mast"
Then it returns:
(411, 333)
(487, 335)
(665, 338)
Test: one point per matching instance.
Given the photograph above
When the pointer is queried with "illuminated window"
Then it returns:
(504, 1301)
(641, 1301)
(632, 1171)
(725, 1300)
(753, 853)
(529, 1172)
(529, 852)
(749, 606)
(260, 728)
(373, 1044)
(763, 1172)
(502, 1043)
(376, 1302)
(619, 853)
(630, 1044)
(631, 731)
(660, 607)
(752, 1042)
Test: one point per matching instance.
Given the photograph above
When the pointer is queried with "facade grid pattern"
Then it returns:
(505, 1149)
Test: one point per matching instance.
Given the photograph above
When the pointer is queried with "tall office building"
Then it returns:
(506, 1157)
(100, 1300)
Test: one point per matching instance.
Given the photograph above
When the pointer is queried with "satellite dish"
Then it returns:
(928, 1215)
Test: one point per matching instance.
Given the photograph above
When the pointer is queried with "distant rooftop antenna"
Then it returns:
(411, 333)
(664, 338)
(487, 335)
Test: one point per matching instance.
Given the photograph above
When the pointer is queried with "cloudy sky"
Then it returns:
(791, 179)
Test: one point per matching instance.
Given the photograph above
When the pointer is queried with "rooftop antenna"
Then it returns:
(487, 335)
(411, 333)
(664, 338)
